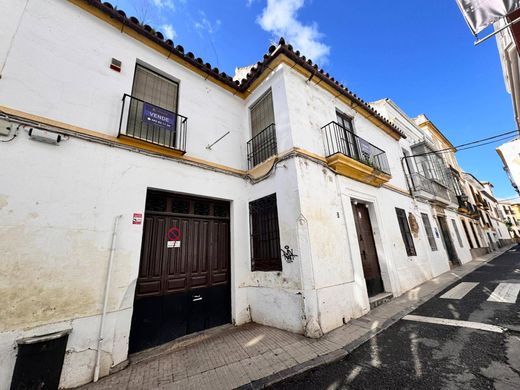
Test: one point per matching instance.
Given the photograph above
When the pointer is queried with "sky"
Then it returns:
(418, 53)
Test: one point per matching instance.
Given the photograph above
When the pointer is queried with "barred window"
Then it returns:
(263, 144)
(429, 231)
(265, 235)
(405, 232)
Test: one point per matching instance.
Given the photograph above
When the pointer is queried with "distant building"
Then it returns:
(510, 213)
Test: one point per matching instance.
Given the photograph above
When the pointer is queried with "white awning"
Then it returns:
(481, 13)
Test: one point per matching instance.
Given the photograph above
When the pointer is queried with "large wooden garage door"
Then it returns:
(183, 283)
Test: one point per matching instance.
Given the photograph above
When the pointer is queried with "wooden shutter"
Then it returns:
(459, 238)
(262, 114)
(405, 232)
(429, 231)
(155, 89)
(159, 91)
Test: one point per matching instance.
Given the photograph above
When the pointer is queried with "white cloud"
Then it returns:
(164, 4)
(279, 17)
(169, 32)
(204, 25)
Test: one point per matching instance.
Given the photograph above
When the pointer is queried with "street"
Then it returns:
(431, 349)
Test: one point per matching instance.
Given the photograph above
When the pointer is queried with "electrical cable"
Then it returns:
(467, 145)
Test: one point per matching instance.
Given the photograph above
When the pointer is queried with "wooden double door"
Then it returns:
(367, 248)
(183, 283)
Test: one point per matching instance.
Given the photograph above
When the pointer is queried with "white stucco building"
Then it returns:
(507, 43)
(506, 212)
(147, 195)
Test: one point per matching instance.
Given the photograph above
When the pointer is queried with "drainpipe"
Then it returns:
(105, 301)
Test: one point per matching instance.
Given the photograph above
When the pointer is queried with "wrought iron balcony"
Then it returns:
(466, 207)
(262, 146)
(420, 183)
(150, 124)
(340, 140)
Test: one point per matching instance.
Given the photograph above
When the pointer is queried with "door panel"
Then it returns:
(448, 243)
(367, 248)
(183, 289)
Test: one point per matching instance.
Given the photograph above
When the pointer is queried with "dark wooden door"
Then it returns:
(181, 288)
(448, 243)
(367, 248)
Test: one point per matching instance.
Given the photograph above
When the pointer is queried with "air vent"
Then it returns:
(115, 65)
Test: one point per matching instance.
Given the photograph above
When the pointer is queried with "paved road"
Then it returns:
(413, 354)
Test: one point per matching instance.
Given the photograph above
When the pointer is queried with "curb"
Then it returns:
(341, 353)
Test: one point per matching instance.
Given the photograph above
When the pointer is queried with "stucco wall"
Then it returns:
(59, 64)
(56, 234)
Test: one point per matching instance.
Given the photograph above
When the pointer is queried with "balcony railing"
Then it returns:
(152, 124)
(340, 140)
(262, 146)
(422, 183)
(466, 206)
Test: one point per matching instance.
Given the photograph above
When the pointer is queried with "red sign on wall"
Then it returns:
(137, 219)
(174, 234)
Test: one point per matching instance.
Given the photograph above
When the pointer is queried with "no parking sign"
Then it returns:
(174, 238)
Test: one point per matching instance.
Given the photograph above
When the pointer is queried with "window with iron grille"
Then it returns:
(263, 142)
(429, 231)
(459, 238)
(405, 232)
(265, 235)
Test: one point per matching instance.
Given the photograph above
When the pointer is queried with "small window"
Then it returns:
(265, 235)
(459, 238)
(405, 232)
(180, 206)
(155, 202)
(201, 208)
(429, 231)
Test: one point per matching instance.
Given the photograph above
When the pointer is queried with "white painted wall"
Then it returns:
(56, 40)
(56, 231)
(58, 203)
(511, 156)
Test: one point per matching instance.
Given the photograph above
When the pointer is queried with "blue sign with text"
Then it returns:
(158, 116)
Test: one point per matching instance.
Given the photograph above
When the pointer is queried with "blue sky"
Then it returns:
(418, 53)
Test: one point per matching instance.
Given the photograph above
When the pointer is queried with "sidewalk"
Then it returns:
(253, 356)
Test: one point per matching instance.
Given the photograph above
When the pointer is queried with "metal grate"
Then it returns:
(170, 134)
(339, 139)
(262, 146)
(265, 235)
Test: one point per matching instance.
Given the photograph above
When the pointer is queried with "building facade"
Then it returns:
(507, 43)
(149, 195)
(507, 213)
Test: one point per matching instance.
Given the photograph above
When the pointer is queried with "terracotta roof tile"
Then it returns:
(256, 70)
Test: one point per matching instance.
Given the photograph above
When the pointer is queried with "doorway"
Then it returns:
(183, 284)
(448, 243)
(367, 248)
